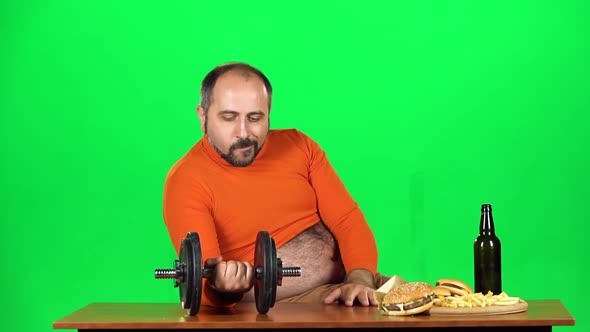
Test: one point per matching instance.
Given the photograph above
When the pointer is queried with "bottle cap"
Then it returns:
(486, 207)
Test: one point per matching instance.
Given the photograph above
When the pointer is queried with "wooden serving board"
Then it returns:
(491, 310)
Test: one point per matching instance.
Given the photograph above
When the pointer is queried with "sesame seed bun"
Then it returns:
(408, 299)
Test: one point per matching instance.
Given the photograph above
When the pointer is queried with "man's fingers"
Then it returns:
(211, 262)
(233, 276)
(349, 293)
(367, 298)
(239, 270)
(363, 298)
(231, 269)
(333, 296)
(373, 299)
(249, 273)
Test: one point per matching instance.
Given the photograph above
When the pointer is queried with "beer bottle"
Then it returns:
(487, 255)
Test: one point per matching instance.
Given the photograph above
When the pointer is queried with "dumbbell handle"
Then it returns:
(175, 273)
(293, 271)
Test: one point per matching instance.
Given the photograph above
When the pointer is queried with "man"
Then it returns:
(241, 178)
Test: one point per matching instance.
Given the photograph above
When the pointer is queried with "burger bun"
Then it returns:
(408, 299)
(454, 286)
(441, 291)
(410, 312)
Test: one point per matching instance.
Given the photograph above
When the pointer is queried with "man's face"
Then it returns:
(237, 121)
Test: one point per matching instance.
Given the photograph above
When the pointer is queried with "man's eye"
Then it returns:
(228, 118)
(254, 118)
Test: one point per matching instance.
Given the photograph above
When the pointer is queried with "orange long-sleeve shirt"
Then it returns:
(289, 187)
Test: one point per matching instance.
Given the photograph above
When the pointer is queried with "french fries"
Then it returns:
(475, 300)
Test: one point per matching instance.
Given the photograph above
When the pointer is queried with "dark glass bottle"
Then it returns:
(487, 255)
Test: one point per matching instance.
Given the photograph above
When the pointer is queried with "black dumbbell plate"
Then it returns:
(266, 272)
(197, 271)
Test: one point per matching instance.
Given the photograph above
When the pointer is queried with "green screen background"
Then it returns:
(426, 110)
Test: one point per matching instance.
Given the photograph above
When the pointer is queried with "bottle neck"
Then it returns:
(486, 224)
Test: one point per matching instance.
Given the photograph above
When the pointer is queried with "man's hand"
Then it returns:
(359, 285)
(230, 276)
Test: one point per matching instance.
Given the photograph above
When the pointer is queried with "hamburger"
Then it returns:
(441, 291)
(454, 286)
(408, 299)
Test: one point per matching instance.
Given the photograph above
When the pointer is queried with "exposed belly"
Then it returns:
(314, 250)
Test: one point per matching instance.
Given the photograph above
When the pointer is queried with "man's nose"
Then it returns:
(243, 131)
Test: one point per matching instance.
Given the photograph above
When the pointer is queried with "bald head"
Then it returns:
(241, 69)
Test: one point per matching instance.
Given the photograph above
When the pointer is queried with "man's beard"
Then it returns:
(241, 143)
(230, 156)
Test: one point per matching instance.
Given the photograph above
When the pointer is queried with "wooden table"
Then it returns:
(540, 316)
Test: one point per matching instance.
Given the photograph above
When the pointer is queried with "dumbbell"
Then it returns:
(188, 272)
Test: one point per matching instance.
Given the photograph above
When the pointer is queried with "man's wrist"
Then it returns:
(360, 276)
(222, 298)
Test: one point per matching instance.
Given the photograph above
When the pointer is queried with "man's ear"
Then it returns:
(201, 113)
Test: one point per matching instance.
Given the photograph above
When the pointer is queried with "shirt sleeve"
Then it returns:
(341, 213)
(188, 208)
